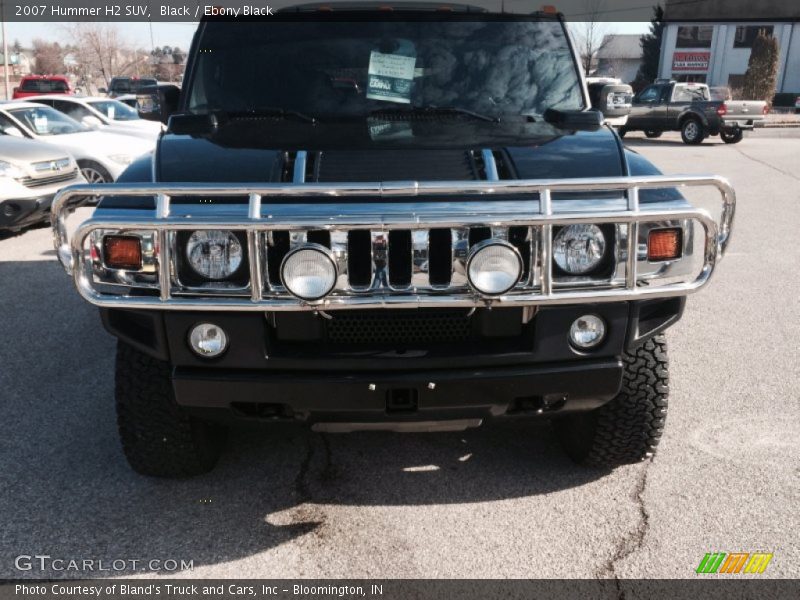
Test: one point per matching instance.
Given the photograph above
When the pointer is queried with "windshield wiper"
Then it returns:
(270, 111)
(443, 110)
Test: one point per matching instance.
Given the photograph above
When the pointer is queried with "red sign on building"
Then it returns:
(690, 61)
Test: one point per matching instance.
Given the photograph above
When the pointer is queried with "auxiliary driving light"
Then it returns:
(494, 267)
(122, 252)
(587, 332)
(309, 272)
(214, 254)
(577, 249)
(208, 340)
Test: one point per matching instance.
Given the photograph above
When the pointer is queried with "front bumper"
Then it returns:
(16, 214)
(404, 397)
(531, 369)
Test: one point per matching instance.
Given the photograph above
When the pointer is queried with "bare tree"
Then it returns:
(100, 50)
(48, 57)
(590, 34)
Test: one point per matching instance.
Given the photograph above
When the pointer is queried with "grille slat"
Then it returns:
(34, 182)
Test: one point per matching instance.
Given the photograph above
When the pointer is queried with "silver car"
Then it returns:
(30, 175)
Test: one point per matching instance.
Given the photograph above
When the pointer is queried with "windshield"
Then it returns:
(43, 120)
(126, 86)
(342, 69)
(116, 111)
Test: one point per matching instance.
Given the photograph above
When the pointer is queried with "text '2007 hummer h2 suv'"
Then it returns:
(408, 220)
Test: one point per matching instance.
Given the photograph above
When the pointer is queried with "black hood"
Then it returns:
(253, 150)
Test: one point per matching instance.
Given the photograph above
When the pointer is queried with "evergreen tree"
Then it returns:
(651, 51)
(762, 69)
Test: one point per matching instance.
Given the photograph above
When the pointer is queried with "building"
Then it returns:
(619, 56)
(710, 41)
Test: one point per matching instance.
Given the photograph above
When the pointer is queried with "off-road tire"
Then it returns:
(158, 438)
(733, 136)
(621, 132)
(652, 134)
(688, 127)
(628, 428)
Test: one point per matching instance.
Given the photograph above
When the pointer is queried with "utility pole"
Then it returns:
(5, 48)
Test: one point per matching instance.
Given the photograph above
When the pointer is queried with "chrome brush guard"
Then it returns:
(526, 208)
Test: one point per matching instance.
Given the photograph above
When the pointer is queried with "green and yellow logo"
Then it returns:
(734, 562)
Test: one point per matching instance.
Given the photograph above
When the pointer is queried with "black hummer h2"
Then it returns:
(406, 220)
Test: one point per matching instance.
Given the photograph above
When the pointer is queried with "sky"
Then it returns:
(180, 34)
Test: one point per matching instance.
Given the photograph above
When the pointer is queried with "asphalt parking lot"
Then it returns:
(500, 501)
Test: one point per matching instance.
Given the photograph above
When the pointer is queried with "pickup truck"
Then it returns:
(405, 220)
(688, 108)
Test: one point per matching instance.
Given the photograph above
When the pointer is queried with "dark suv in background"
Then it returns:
(119, 86)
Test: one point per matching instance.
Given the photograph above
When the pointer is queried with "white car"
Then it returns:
(30, 175)
(101, 156)
(104, 114)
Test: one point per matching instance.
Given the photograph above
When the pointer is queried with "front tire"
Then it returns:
(731, 136)
(692, 132)
(628, 428)
(653, 134)
(621, 132)
(158, 438)
(94, 172)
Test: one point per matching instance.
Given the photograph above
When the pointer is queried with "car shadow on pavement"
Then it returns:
(67, 491)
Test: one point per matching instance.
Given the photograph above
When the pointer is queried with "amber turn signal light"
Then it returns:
(122, 252)
(664, 244)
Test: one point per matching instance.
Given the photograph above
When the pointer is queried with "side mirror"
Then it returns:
(92, 121)
(157, 103)
(102, 91)
(613, 100)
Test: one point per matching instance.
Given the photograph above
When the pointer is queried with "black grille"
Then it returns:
(399, 327)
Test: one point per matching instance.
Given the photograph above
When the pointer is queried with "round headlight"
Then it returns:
(578, 249)
(208, 340)
(214, 254)
(309, 272)
(587, 332)
(494, 267)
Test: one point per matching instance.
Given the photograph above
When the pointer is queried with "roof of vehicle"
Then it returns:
(76, 99)
(12, 104)
(56, 77)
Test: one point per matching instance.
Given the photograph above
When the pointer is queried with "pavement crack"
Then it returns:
(632, 541)
(301, 480)
(766, 164)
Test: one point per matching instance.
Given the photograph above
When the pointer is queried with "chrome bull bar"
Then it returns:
(261, 216)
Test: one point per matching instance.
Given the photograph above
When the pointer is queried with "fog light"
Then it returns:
(122, 252)
(309, 272)
(494, 267)
(664, 244)
(208, 340)
(587, 332)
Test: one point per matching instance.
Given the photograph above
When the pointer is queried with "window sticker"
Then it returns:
(390, 77)
(40, 124)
